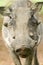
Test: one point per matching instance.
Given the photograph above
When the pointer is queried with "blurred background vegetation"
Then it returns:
(7, 3)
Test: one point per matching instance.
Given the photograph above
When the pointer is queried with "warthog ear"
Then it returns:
(2, 9)
(29, 3)
(37, 7)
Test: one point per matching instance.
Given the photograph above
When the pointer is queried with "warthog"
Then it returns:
(21, 30)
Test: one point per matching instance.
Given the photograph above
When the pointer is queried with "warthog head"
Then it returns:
(20, 26)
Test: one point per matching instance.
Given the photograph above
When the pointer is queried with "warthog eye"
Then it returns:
(10, 17)
(6, 24)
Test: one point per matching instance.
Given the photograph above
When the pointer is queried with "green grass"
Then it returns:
(5, 3)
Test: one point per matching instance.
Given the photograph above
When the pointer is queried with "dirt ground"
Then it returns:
(5, 58)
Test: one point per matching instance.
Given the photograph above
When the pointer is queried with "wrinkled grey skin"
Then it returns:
(21, 31)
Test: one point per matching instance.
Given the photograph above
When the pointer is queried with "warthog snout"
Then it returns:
(24, 52)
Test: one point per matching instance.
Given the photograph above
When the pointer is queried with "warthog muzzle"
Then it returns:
(24, 52)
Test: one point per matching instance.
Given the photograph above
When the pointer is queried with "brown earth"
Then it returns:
(5, 58)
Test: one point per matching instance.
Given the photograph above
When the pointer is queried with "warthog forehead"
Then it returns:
(23, 12)
(23, 15)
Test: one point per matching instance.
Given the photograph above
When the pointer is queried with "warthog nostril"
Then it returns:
(23, 52)
(18, 50)
(6, 24)
(23, 49)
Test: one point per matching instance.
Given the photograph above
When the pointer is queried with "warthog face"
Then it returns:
(20, 28)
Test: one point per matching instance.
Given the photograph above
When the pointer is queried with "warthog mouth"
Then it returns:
(24, 52)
